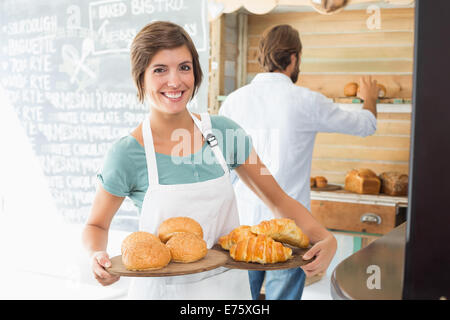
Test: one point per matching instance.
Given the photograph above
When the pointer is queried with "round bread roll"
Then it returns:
(179, 224)
(186, 247)
(321, 182)
(138, 236)
(351, 89)
(144, 251)
(381, 90)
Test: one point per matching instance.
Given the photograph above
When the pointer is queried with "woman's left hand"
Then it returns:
(324, 251)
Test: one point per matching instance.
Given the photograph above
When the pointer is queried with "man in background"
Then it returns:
(283, 120)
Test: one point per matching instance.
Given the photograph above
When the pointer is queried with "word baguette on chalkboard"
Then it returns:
(65, 68)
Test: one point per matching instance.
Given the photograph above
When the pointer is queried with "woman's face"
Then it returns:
(169, 79)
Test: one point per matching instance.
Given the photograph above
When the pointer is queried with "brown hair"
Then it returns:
(157, 36)
(276, 46)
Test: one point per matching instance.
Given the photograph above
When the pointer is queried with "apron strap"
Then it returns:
(206, 130)
(152, 168)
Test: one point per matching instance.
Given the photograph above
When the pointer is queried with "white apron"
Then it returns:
(212, 203)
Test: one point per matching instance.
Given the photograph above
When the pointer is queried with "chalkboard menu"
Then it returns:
(65, 66)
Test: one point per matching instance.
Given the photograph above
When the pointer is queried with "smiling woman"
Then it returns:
(167, 74)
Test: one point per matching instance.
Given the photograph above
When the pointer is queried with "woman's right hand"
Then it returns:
(100, 261)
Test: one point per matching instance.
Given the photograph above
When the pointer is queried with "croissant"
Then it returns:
(234, 236)
(260, 249)
(284, 230)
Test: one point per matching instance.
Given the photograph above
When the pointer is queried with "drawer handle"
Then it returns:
(371, 218)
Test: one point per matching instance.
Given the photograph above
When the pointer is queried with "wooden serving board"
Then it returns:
(329, 187)
(212, 260)
(295, 262)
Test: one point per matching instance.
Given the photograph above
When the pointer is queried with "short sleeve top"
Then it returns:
(124, 172)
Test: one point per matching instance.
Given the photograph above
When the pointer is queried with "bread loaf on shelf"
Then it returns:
(362, 181)
(260, 249)
(351, 89)
(284, 230)
(394, 183)
(321, 182)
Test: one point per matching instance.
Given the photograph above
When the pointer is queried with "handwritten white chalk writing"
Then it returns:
(34, 25)
(57, 149)
(69, 165)
(90, 149)
(40, 82)
(33, 113)
(72, 100)
(151, 6)
(18, 81)
(80, 182)
(76, 149)
(34, 46)
(40, 63)
(34, 96)
(18, 65)
(60, 132)
(73, 198)
(111, 10)
(111, 118)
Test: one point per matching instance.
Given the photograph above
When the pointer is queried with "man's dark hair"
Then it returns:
(276, 46)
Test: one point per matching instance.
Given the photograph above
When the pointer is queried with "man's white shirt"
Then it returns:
(283, 120)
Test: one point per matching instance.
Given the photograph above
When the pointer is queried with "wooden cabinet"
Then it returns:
(363, 216)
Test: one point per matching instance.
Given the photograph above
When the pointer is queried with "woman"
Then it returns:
(144, 166)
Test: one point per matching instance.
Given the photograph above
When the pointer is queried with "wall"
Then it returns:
(338, 49)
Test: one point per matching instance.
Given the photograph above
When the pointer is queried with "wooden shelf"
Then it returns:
(345, 196)
(380, 101)
(381, 107)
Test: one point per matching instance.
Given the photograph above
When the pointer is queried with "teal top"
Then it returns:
(124, 172)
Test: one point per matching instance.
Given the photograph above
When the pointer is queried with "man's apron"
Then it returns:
(211, 203)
